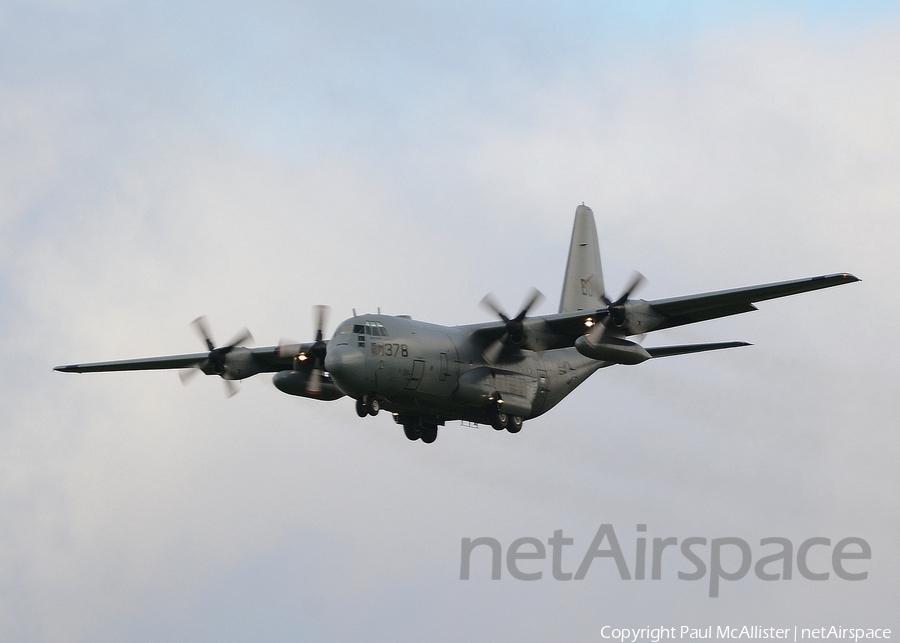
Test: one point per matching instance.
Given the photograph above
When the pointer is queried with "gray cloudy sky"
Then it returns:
(248, 161)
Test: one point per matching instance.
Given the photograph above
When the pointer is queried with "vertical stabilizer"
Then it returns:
(583, 285)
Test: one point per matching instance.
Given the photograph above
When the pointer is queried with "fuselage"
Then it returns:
(419, 369)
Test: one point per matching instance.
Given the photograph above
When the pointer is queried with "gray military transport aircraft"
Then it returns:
(499, 373)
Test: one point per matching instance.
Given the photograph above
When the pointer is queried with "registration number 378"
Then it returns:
(390, 350)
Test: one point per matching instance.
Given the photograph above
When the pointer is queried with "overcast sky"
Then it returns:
(162, 161)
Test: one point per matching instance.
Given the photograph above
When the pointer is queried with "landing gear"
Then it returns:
(367, 406)
(415, 427)
(412, 431)
(501, 420)
(418, 428)
(429, 433)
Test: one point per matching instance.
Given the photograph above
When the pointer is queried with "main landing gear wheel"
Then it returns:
(500, 421)
(361, 409)
(515, 424)
(429, 434)
(411, 429)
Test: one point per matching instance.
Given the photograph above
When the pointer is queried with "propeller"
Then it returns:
(615, 310)
(515, 327)
(216, 358)
(315, 353)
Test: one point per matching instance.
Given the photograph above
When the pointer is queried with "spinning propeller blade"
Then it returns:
(217, 357)
(314, 355)
(317, 352)
(515, 327)
(615, 309)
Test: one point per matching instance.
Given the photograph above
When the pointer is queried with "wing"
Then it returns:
(678, 311)
(561, 330)
(142, 364)
(268, 359)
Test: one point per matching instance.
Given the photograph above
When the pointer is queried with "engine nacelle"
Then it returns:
(297, 383)
(238, 363)
(613, 349)
(639, 317)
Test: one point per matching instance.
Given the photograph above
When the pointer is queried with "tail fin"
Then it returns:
(583, 285)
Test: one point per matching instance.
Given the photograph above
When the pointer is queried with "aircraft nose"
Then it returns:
(343, 361)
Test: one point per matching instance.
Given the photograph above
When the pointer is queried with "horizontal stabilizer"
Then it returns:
(684, 349)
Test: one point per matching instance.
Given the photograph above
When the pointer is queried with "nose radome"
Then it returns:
(342, 361)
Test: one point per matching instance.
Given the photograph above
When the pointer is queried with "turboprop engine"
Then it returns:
(308, 378)
(230, 362)
(624, 316)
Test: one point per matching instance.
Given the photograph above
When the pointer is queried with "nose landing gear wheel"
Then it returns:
(368, 405)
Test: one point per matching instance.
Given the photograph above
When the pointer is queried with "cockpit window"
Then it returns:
(358, 329)
(374, 328)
